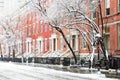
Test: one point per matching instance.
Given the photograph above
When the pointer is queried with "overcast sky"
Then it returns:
(8, 7)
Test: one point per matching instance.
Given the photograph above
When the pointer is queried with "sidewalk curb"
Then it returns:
(77, 69)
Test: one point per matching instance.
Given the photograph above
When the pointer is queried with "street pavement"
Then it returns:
(111, 73)
(13, 71)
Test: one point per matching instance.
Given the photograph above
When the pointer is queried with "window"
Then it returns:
(27, 31)
(33, 45)
(28, 47)
(107, 41)
(27, 19)
(93, 11)
(40, 44)
(61, 43)
(45, 25)
(20, 47)
(68, 19)
(31, 16)
(45, 44)
(119, 36)
(106, 31)
(84, 43)
(74, 42)
(31, 29)
(36, 25)
(107, 7)
(107, 11)
(41, 26)
(94, 14)
(54, 46)
(93, 36)
(118, 5)
(61, 21)
(34, 28)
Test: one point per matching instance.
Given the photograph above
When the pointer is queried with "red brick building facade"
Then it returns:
(111, 17)
(38, 38)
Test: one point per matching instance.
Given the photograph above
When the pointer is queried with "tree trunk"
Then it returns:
(74, 56)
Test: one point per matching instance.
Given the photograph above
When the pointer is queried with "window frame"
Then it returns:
(118, 5)
(84, 46)
(118, 36)
(62, 43)
(107, 7)
(94, 14)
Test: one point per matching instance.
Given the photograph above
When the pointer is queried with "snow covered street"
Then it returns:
(11, 71)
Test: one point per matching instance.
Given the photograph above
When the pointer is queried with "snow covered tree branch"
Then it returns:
(73, 14)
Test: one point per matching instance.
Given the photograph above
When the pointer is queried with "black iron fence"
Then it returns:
(114, 62)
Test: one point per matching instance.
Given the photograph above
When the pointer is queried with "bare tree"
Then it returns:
(78, 12)
(10, 33)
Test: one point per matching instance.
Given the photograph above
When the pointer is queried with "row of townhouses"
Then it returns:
(36, 38)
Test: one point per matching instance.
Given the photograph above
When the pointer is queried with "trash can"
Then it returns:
(66, 62)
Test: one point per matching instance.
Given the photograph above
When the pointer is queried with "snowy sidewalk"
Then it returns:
(17, 71)
(77, 69)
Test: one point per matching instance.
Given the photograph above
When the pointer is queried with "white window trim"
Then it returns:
(54, 36)
(40, 39)
(19, 47)
(106, 2)
(34, 44)
(28, 41)
(77, 42)
(45, 44)
(61, 43)
(50, 44)
(106, 6)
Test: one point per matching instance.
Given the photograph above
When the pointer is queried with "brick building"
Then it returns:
(110, 12)
(38, 39)
(33, 34)
(111, 31)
